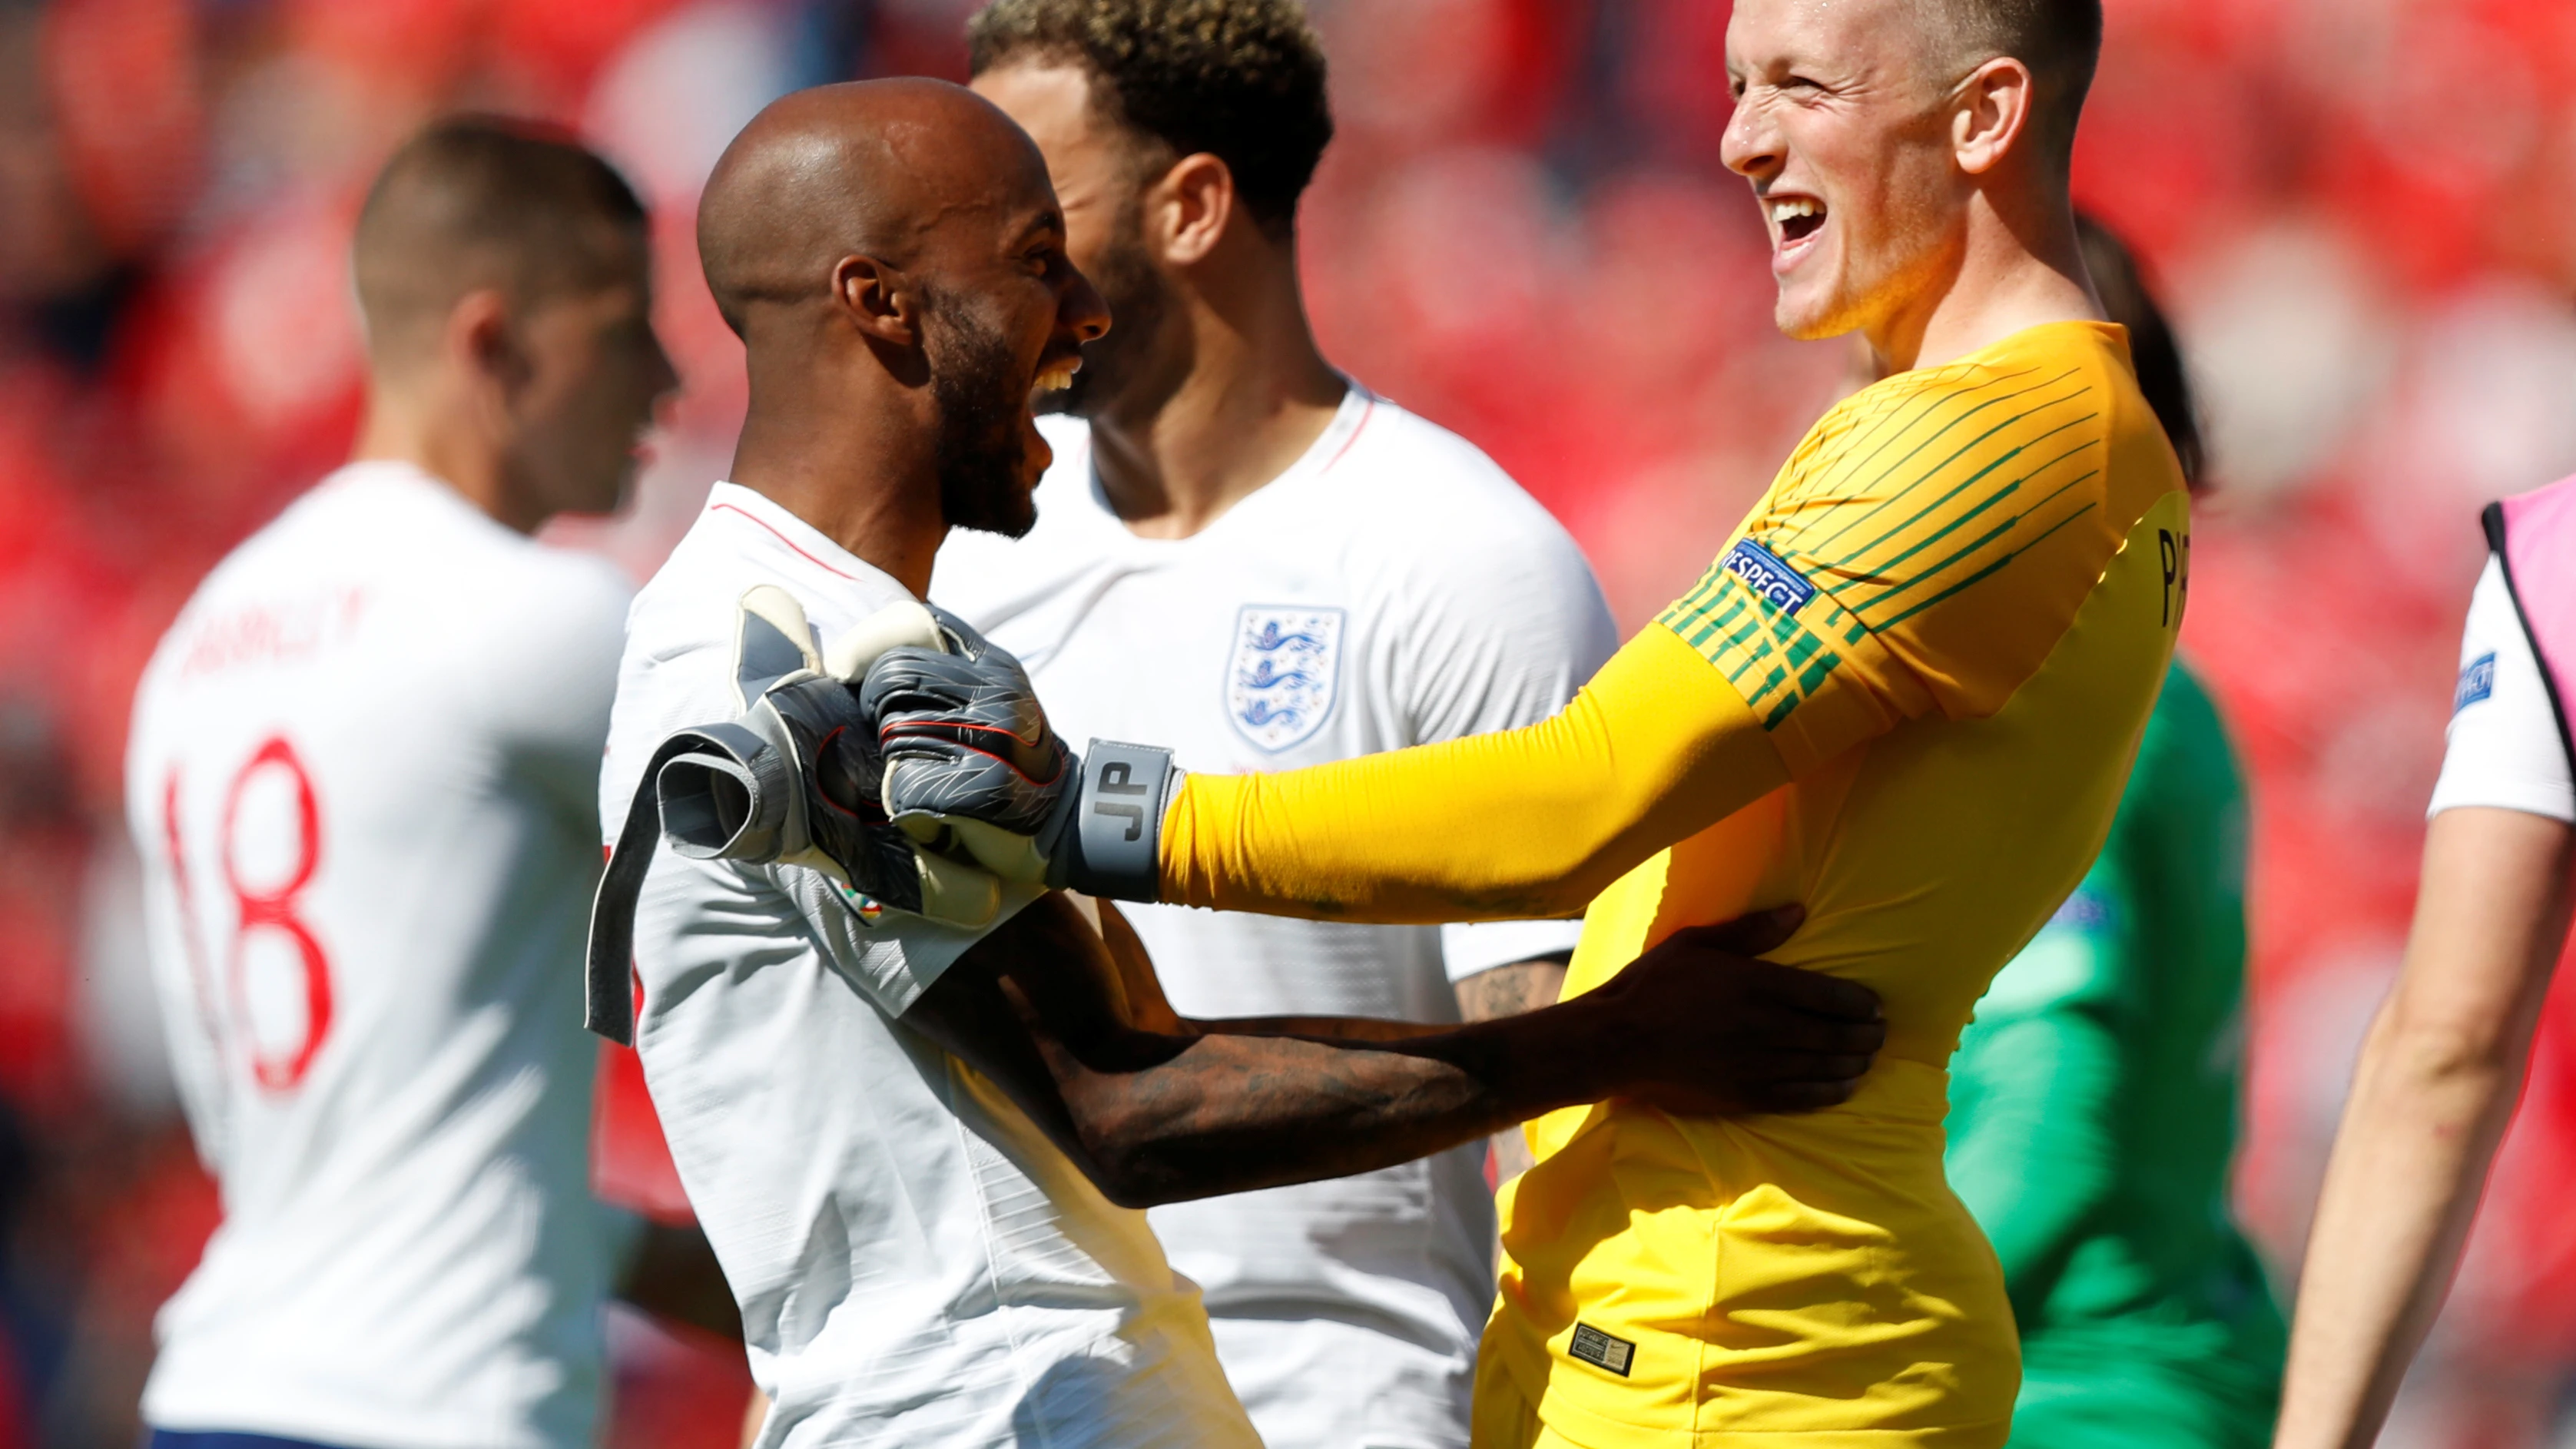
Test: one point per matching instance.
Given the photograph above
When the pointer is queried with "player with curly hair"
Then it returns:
(1242, 551)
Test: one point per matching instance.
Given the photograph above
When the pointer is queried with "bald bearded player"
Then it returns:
(917, 1148)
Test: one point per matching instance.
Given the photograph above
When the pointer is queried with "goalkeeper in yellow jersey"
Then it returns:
(1906, 695)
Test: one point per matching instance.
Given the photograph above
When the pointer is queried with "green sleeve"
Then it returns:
(2037, 1082)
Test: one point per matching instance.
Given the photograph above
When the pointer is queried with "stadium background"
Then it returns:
(2363, 212)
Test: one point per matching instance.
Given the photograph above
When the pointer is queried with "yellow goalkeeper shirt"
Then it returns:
(1907, 695)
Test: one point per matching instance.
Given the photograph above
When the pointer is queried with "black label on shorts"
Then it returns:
(1601, 1350)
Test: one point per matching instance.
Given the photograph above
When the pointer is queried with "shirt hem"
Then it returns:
(1593, 1431)
(2559, 805)
(1589, 1430)
(351, 1433)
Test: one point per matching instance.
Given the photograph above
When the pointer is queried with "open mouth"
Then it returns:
(1798, 219)
(1055, 375)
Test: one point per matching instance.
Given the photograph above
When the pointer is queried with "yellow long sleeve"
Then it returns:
(1522, 823)
(1921, 555)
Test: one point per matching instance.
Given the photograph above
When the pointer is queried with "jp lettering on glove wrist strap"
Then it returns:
(1113, 847)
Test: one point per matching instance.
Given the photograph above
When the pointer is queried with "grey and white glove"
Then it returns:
(793, 781)
(972, 767)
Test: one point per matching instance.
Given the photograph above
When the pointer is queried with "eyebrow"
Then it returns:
(1047, 222)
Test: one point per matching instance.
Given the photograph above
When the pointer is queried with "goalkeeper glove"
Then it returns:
(973, 767)
(793, 781)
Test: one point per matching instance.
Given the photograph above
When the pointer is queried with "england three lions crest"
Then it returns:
(1279, 686)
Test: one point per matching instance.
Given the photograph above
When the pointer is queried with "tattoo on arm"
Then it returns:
(1511, 990)
(1505, 991)
(1163, 1109)
(1041, 1008)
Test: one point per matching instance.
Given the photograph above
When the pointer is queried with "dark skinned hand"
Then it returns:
(1705, 1030)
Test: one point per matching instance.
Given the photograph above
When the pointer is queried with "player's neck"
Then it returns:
(2010, 273)
(863, 473)
(1256, 396)
(409, 426)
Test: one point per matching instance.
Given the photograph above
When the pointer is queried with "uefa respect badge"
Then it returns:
(1766, 574)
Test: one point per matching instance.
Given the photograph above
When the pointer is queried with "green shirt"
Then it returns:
(2093, 1120)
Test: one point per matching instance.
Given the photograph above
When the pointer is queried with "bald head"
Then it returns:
(486, 202)
(892, 255)
(889, 169)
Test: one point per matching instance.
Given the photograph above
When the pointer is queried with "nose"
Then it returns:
(1750, 145)
(1083, 311)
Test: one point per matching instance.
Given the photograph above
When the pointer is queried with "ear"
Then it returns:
(878, 300)
(1188, 210)
(1994, 113)
(480, 343)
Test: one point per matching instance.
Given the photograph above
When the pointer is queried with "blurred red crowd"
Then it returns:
(2363, 213)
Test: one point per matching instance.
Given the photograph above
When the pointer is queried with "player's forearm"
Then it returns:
(1329, 1028)
(1522, 823)
(2400, 1193)
(2435, 1089)
(1229, 1112)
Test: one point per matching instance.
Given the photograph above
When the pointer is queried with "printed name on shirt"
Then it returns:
(2477, 681)
(274, 631)
(1765, 574)
(1601, 1350)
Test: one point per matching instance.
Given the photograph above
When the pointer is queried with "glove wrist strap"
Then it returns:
(1113, 846)
(608, 1002)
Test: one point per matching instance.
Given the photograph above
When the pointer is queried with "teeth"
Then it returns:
(1792, 206)
(1058, 376)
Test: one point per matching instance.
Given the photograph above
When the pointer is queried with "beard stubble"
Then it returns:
(974, 382)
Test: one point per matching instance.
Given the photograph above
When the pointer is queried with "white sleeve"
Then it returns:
(1503, 650)
(704, 920)
(2506, 748)
(550, 678)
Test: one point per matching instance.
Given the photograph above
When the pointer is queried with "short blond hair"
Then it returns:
(2060, 40)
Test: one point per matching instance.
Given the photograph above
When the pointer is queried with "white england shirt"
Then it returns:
(361, 777)
(917, 1265)
(2505, 745)
(1392, 587)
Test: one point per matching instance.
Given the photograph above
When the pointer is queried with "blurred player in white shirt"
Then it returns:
(919, 1148)
(361, 776)
(1244, 555)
